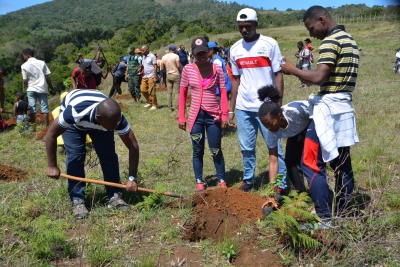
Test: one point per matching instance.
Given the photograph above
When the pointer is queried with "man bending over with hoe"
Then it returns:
(91, 112)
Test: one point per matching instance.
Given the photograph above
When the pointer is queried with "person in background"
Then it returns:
(310, 48)
(83, 77)
(97, 59)
(303, 55)
(216, 59)
(149, 63)
(21, 108)
(133, 73)
(251, 71)
(160, 71)
(119, 76)
(35, 75)
(205, 115)
(183, 56)
(333, 128)
(172, 70)
(91, 112)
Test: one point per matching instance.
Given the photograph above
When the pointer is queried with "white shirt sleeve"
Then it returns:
(218, 62)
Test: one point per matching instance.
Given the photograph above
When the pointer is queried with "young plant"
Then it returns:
(295, 209)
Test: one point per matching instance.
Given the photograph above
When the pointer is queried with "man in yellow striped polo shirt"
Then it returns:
(333, 129)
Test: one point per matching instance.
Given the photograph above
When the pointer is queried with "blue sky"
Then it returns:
(304, 4)
(13, 5)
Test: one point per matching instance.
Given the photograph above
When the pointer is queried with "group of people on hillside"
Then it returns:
(319, 131)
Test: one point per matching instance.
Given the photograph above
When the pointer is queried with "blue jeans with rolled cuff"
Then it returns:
(104, 145)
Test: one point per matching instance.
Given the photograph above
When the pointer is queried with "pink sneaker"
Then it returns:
(222, 184)
(200, 188)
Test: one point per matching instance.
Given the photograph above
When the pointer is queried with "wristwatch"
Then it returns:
(131, 178)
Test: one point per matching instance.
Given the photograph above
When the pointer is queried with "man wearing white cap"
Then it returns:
(255, 63)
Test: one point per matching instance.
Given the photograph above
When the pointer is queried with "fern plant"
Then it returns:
(154, 200)
(295, 209)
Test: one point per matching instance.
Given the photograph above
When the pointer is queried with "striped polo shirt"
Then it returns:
(340, 50)
(78, 109)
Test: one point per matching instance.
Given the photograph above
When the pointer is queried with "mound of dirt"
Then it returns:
(39, 119)
(221, 212)
(9, 174)
(123, 97)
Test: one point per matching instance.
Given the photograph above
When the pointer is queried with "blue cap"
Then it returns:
(172, 47)
(125, 58)
(212, 44)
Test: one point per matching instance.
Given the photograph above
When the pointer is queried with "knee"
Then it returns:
(215, 152)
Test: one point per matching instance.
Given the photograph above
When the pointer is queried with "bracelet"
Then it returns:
(231, 112)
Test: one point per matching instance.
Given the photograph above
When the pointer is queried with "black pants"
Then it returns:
(116, 81)
(294, 151)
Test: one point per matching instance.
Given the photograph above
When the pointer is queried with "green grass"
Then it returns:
(37, 226)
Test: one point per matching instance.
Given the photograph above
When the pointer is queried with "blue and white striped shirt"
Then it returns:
(78, 108)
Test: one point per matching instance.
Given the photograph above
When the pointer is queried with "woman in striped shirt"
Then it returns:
(205, 115)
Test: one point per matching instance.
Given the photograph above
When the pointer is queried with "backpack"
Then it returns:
(228, 84)
(96, 70)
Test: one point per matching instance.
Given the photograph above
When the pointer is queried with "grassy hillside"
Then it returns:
(37, 227)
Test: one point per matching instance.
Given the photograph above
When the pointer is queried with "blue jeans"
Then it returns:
(41, 97)
(248, 125)
(205, 122)
(24, 119)
(314, 169)
(104, 145)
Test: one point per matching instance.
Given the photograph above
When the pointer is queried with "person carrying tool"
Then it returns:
(91, 112)
(100, 62)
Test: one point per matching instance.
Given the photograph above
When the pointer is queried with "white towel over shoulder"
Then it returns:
(335, 122)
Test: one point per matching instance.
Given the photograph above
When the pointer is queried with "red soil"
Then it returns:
(9, 174)
(221, 212)
(39, 119)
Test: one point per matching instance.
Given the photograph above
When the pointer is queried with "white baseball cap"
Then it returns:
(247, 14)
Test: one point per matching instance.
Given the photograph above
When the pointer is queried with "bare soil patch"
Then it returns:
(221, 212)
(9, 174)
(123, 97)
(39, 119)
(39, 135)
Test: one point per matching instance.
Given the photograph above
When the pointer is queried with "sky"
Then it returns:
(7, 6)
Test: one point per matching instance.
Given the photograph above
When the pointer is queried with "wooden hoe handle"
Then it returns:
(141, 189)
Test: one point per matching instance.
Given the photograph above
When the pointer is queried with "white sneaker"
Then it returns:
(153, 108)
(147, 106)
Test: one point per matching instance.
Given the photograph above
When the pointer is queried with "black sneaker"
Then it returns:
(245, 187)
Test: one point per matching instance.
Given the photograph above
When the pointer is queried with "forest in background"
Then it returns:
(59, 29)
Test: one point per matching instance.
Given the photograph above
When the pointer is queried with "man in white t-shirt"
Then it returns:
(35, 74)
(172, 69)
(149, 63)
(255, 63)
